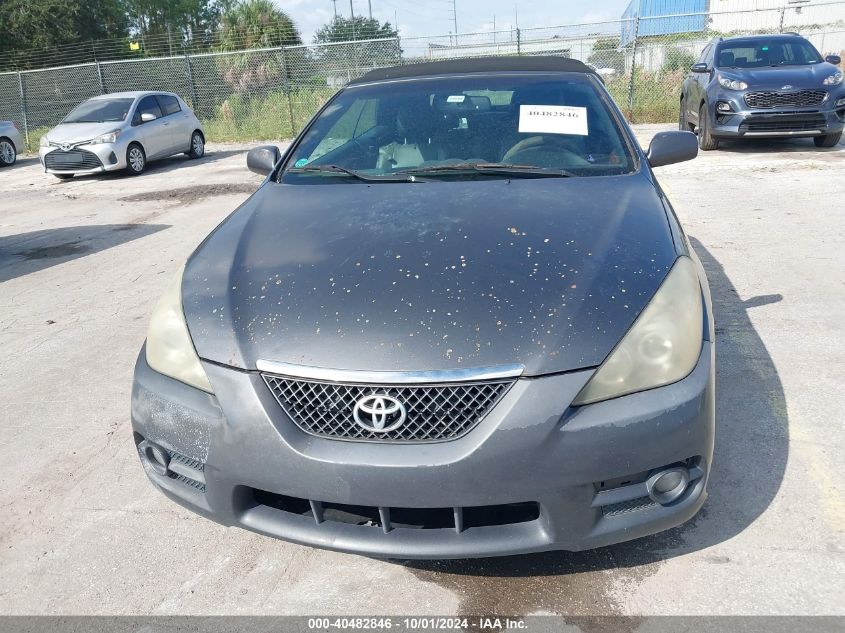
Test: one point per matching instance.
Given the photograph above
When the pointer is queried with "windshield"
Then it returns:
(504, 126)
(760, 53)
(100, 111)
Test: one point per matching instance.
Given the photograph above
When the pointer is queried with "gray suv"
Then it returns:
(763, 86)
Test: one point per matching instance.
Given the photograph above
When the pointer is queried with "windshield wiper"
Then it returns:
(345, 171)
(508, 169)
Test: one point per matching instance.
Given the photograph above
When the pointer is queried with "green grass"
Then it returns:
(655, 96)
(35, 135)
(278, 115)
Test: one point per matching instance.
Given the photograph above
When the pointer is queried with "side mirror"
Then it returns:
(701, 67)
(146, 117)
(672, 147)
(833, 59)
(262, 159)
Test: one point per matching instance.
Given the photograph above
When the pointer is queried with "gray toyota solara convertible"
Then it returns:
(459, 318)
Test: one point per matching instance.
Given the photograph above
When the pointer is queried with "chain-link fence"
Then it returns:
(271, 93)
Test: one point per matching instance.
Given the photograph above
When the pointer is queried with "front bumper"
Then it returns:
(238, 460)
(99, 158)
(744, 122)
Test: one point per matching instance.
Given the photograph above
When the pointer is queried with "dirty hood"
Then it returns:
(548, 273)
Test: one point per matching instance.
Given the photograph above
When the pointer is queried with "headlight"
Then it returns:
(108, 137)
(44, 142)
(833, 80)
(732, 84)
(661, 347)
(170, 350)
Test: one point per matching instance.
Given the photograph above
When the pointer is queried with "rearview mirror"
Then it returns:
(146, 117)
(672, 147)
(833, 59)
(701, 67)
(263, 159)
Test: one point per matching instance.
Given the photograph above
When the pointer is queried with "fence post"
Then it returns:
(189, 72)
(632, 79)
(782, 13)
(100, 78)
(23, 108)
(286, 88)
(518, 42)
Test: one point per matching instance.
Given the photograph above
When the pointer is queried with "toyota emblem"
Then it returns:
(65, 147)
(379, 413)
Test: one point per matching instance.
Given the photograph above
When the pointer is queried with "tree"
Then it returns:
(166, 26)
(251, 24)
(606, 53)
(46, 24)
(677, 59)
(256, 24)
(342, 29)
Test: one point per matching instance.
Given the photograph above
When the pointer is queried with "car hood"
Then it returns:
(548, 273)
(798, 77)
(76, 132)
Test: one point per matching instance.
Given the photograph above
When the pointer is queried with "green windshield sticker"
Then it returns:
(302, 162)
(764, 48)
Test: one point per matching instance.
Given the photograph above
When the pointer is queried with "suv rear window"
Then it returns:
(169, 104)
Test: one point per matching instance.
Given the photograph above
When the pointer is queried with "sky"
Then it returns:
(434, 17)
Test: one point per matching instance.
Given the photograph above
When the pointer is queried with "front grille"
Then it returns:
(73, 159)
(434, 412)
(783, 124)
(795, 99)
(624, 507)
(458, 519)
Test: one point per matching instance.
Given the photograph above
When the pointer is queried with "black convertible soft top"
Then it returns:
(477, 65)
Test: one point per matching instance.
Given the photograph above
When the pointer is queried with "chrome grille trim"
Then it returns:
(766, 100)
(435, 412)
(365, 377)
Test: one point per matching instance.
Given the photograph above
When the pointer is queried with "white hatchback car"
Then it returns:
(11, 142)
(123, 130)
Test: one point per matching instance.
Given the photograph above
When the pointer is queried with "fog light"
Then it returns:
(666, 485)
(723, 106)
(840, 102)
(156, 456)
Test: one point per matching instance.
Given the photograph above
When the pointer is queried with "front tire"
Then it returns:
(136, 160)
(197, 145)
(8, 153)
(683, 124)
(828, 140)
(706, 141)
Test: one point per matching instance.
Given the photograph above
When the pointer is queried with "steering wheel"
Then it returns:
(551, 150)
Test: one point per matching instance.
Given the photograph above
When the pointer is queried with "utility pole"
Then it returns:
(370, 8)
(334, 2)
(352, 13)
(455, 19)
